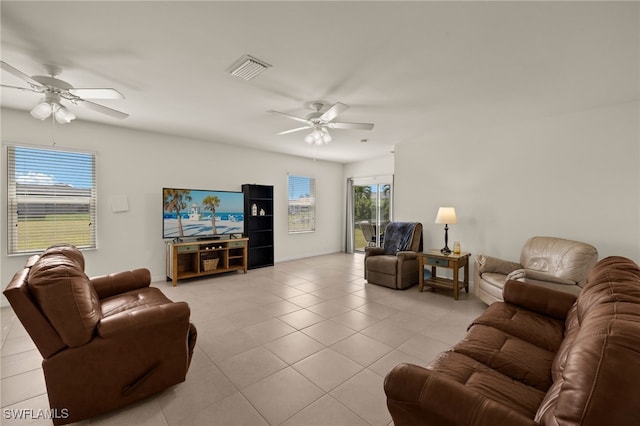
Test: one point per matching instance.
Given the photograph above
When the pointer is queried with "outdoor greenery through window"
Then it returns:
(51, 198)
(372, 213)
(302, 204)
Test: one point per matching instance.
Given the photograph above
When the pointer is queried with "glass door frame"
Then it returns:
(355, 230)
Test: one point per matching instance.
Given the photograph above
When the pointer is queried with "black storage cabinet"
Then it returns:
(258, 224)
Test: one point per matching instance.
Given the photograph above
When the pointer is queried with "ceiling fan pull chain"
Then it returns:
(53, 130)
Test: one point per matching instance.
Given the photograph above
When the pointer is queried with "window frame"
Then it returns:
(68, 201)
(309, 203)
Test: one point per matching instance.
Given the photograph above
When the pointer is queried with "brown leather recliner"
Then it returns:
(396, 264)
(550, 262)
(106, 341)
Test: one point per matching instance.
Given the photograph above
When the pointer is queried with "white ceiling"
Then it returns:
(415, 69)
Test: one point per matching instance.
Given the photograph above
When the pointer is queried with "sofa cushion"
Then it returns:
(65, 294)
(488, 382)
(571, 330)
(558, 257)
(384, 264)
(612, 289)
(539, 330)
(133, 300)
(504, 353)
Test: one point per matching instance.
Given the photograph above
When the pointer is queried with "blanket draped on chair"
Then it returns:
(398, 237)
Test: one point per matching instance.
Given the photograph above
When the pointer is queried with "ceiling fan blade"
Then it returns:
(12, 70)
(26, 89)
(96, 93)
(294, 130)
(337, 109)
(351, 126)
(293, 117)
(103, 109)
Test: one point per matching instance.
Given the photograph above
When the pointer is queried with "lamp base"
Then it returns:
(446, 249)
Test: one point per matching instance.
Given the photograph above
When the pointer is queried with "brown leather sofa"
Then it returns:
(396, 264)
(551, 262)
(541, 357)
(106, 341)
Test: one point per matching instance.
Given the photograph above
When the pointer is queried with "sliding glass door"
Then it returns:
(372, 210)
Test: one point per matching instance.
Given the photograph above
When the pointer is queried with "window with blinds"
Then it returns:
(302, 204)
(51, 198)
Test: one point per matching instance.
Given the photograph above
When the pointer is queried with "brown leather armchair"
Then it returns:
(106, 341)
(396, 264)
(551, 262)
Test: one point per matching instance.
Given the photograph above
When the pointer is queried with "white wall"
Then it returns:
(574, 176)
(138, 164)
(381, 166)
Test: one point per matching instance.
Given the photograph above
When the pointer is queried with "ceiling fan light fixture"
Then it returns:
(309, 139)
(46, 107)
(319, 136)
(42, 110)
(326, 137)
(248, 67)
(55, 90)
(63, 115)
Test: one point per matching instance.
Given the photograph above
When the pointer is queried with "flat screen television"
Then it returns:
(201, 214)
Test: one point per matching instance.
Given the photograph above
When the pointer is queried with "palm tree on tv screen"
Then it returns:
(210, 202)
(176, 200)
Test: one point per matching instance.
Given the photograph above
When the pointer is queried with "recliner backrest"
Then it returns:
(559, 257)
(65, 295)
(45, 337)
(402, 236)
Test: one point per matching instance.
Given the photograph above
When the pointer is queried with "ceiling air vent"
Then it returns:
(248, 67)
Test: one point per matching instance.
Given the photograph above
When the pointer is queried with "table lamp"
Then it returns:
(446, 215)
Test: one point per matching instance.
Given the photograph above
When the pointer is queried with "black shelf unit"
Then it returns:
(258, 224)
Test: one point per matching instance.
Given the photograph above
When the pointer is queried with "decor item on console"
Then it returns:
(106, 341)
(541, 357)
(396, 264)
(547, 261)
(446, 215)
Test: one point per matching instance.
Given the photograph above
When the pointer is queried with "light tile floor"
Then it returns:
(306, 342)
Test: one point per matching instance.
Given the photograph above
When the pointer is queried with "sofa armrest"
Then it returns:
(542, 300)
(524, 273)
(496, 265)
(120, 282)
(419, 396)
(373, 251)
(406, 255)
(156, 318)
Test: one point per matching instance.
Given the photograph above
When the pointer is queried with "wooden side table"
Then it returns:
(436, 259)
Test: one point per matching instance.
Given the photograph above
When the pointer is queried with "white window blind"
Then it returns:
(302, 204)
(51, 198)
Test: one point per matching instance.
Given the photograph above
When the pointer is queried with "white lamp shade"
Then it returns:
(63, 115)
(446, 215)
(319, 136)
(42, 110)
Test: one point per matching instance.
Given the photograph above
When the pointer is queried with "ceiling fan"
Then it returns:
(321, 122)
(55, 90)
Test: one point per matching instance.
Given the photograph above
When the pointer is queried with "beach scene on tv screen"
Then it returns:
(199, 213)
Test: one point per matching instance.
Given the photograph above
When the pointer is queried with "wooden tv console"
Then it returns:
(206, 257)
